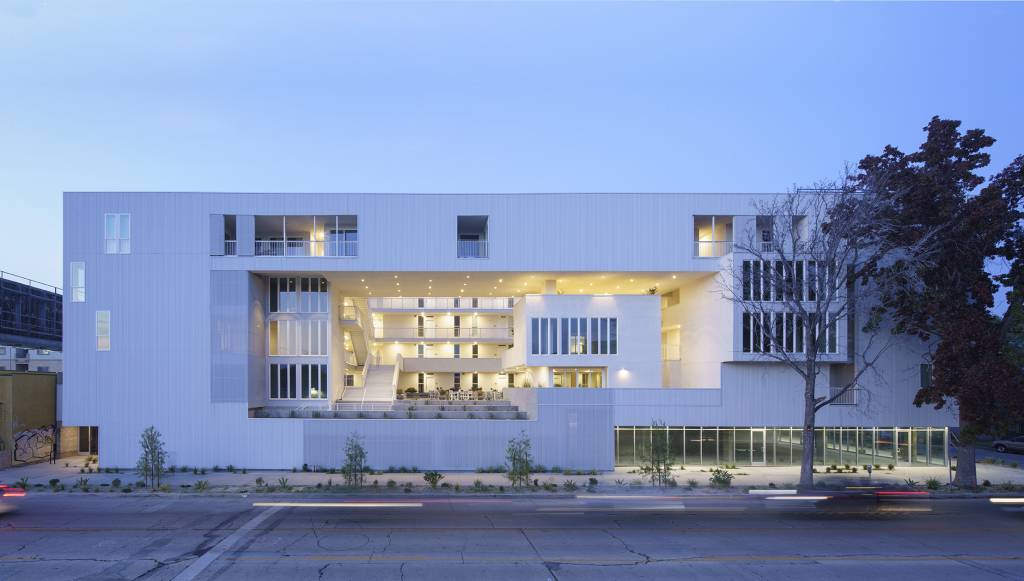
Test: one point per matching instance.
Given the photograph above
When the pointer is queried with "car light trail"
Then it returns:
(797, 497)
(342, 504)
(1006, 500)
(772, 492)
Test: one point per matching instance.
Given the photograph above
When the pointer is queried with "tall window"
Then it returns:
(299, 337)
(926, 375)
(103, 330)
(78, 282)
(298, 381)
(117, 233)
(456, 381)
(456, 351)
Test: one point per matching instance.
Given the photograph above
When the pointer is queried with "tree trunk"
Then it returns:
(807, 460)
(966, 468)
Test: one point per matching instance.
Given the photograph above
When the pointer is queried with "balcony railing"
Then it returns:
(349, 313)
(441, 303)
(319, 248)
(442, 333)
(472, 249)
(711, 248)
(230, 247)
(848, 398)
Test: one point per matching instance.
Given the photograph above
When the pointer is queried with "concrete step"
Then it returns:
(454, 406)
(425, 415)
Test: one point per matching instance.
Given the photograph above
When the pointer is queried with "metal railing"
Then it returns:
(848, 398)
(443, 333)
(445, 303)
(230, 247)
(318, 248)
(472, 248)
(349, 312)
(711, 248)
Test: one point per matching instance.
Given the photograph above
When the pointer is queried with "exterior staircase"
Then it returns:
(377, 391)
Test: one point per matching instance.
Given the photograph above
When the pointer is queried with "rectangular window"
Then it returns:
(565, 336)
(777, 332)
(746, 280)
(613, 336)
(350, 380)
(420, 350)
(117, 230)
(421, 382)
(305, 381)
(457, 324)
(476, 351)
(926, 375)
(798, 284)
(77, 282)
(595, 337)
(554, 335)
(456, 380)
(799, 334)
(833, 335)
(779, 280)
(535, 336)
(476, 381)
(756, 332)
(456, 350)
(604, 336)
(103, 330)
(544, 336)
(812, 281)
(292, 383)
(756, 280)
(789, 333)
(583, 336)
(274, 394)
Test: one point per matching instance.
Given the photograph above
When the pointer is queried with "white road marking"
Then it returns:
(220, 548)
(342, 504)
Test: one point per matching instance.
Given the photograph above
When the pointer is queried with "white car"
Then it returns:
(1009, 445)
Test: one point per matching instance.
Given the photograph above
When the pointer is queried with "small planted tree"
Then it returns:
(519, 459)
(655, 459)
(153, 457)
(354, 469)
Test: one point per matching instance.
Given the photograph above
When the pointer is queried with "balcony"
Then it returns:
(441, 303)
(711, 248)
(451, 364)
(848, 398)
(315, 248)
(458, 333)
(472, 248)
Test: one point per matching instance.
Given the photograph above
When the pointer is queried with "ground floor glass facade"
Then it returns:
(783, 446)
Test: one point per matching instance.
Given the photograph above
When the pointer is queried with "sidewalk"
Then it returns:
(620, 478)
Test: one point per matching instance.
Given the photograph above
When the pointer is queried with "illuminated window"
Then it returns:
(78, 282)
(117, 233)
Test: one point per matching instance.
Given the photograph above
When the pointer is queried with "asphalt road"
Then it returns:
(78, 536)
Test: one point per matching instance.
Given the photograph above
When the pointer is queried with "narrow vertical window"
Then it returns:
(77, 282)
(746, 280)
(544, 336)
(756, 332)
(798, 284)
(746, 332)
(595, 337)
(779, 279)
(756, 280)
(534, 336)
(799, 334)
(323, 382)
(604, 336)
(457, 381)
(789, 332)
(273, 381)
(778, 332)
(456, 351)
(613, 336)
(476, 351)
(833, 335)
(565, 336)
(583, 336)
(292, 383)
(305, 381)
(103, 330)
(554, 335)
(812, 281)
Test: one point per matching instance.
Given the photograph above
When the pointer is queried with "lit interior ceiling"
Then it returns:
(482, 284)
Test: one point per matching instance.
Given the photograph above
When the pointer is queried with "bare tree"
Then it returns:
(807, 267)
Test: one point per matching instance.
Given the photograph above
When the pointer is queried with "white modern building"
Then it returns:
(260, 330)
(14, 358)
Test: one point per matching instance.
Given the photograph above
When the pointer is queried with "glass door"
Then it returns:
(903, 447)
(757, 447)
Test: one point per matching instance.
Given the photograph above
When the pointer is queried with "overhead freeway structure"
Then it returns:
(30, 313)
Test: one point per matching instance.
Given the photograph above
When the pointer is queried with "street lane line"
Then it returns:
(220, 548)
(770, 491)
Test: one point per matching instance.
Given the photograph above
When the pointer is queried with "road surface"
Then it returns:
(103, 536)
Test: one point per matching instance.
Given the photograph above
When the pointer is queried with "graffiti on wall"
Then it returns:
(34, 445)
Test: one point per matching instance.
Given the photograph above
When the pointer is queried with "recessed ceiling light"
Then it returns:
(501, 280)
(631, 280)
(396, 276)
(467, 276)
(362, 280)
(673, 276)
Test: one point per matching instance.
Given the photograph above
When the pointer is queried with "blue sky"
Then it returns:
(321, 96)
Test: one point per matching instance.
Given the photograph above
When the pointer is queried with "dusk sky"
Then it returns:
(318, 96)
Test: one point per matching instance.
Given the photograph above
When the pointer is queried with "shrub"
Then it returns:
(126, 490)
(570, 485)
(445, 485)
(1008, 486)
(932, 484)
(692, 483)
(260, 482)
(592, 481)
(202, 485)
(539, 468)
(165, 488)
(22, 483)
(355, 461)
(283, 483)
(392, 484)
(138, 483)
(84, 483)
(216, 468)
(910, 482)
(55, 481)
(432, 478)
(116, 483)
(517, 453)
(891, 467)
(986, 483)
(720, 478)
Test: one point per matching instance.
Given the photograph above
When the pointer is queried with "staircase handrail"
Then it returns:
(394, 378)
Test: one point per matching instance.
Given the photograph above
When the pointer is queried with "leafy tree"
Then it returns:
(655, 459)
(354, 469)
(153, 457)
(938, 188)
(517, 453)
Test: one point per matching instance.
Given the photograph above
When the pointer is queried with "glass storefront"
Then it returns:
(784, 446)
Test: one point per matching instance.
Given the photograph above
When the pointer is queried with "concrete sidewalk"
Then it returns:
(744, 476)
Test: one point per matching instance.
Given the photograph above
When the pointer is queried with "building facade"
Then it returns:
(261, 330)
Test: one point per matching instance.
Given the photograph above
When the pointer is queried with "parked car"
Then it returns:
(1009, 445)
